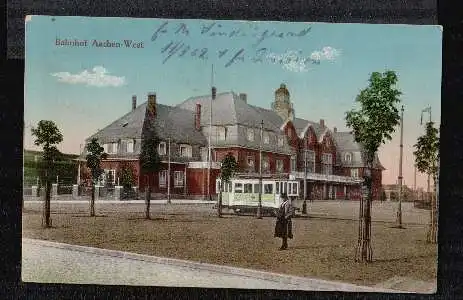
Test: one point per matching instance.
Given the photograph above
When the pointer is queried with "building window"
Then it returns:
(222, 132)
(109, 177)
(185, 151)
(328, 142)
(162, 148)
(310, 161)
(178, 178)
(265, 164)
(266, 138)
(348, 157)
(204, 153)
(162, 178)
(293, 163)
(281, 141)
(110, 148)
(279, 165)
(129, 146)
(327, 163)
(354, 173)
(114, 148)
(250, 134)
(250, 161)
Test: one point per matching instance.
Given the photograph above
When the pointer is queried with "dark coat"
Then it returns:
(283, 226)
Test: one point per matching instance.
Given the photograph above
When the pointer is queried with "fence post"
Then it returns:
(54, 190)
(117, 192)
(75, 191)
(97, 192)
(34, 190)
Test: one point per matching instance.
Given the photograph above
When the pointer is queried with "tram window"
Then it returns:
(225, 188)
(217, 187)
(248, 188)
(256, 188)
(268, 188)
(295, 188)
(238, 187)
(277, 187)
(229, 187)
(285, 189)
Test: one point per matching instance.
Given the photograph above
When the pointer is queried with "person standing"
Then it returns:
(283, 227)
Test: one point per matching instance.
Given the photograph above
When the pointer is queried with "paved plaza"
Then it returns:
(49, 262)
(167, 247)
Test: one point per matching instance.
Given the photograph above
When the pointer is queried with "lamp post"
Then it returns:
(399, 212)
(259, 207)
(209, 161)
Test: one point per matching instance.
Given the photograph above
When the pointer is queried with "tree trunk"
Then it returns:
(92, 201)
(364, 251)
(46, 222)
(219, 204)
(148, 202)
(432, 231)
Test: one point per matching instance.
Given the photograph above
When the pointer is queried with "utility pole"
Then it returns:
(168, 171)
(304, 205)
(399, 212)
(209, 159)
(78, 167)
(259, 207)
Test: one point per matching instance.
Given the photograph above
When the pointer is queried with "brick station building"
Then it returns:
(335, 163)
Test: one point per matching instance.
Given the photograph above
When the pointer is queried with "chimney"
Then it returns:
(134, 102)
(322, 123)
(244, 97)
(214, 92)
(335, 130)
(198, 116)
(152, 103)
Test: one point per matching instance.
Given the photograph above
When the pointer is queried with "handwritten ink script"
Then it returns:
(255, 53)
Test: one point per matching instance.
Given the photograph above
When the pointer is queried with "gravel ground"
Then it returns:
(322, 247)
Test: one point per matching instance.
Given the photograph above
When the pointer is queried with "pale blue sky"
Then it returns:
(325, 90)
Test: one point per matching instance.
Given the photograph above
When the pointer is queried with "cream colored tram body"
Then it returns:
(242, 195)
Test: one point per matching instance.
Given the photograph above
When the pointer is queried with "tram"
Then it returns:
(242, 195)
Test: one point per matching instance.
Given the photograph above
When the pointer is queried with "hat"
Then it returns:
(284, 196)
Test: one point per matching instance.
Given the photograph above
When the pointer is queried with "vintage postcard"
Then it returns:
(231, 154)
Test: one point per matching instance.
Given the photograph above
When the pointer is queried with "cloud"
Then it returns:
(98, 77)
(326, 53)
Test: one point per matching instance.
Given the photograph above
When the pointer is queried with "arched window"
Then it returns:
(348, 157)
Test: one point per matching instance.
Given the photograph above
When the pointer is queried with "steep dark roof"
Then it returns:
(171, 122)
(301, 125)
(346, 144)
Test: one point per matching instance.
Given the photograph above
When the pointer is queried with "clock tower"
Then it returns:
(282, 104)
